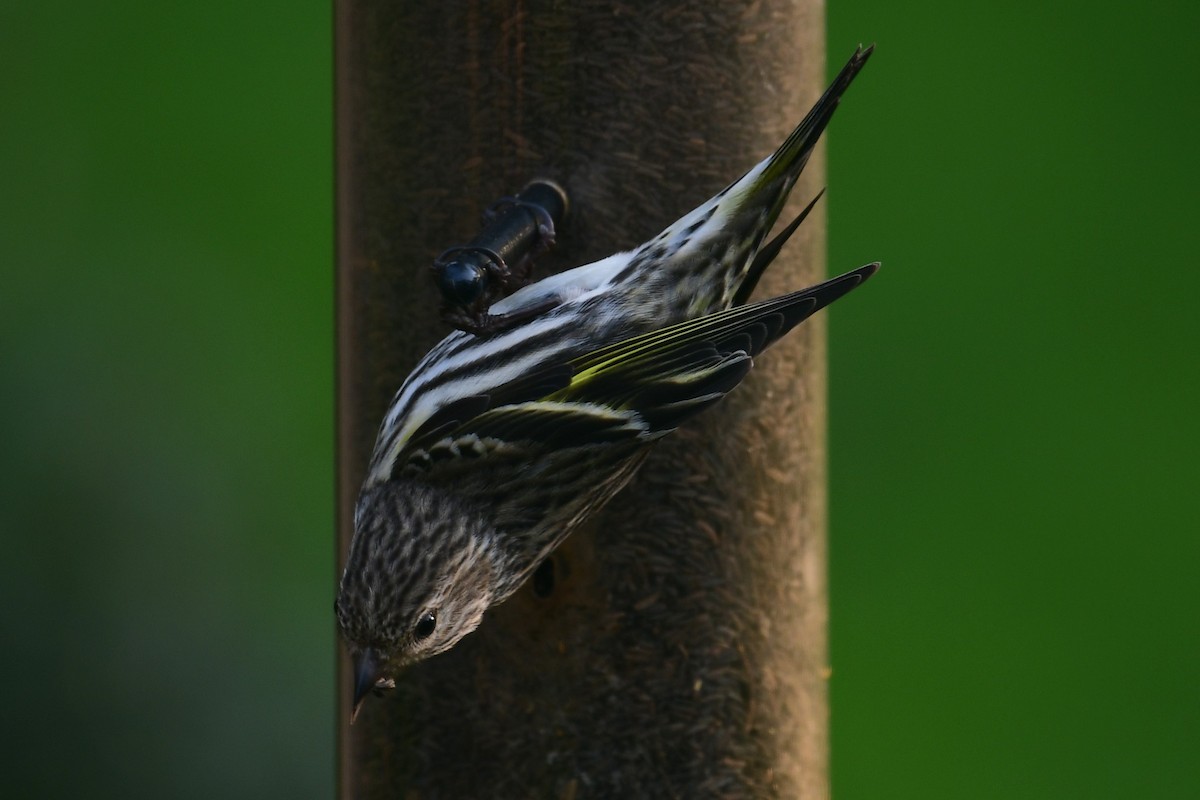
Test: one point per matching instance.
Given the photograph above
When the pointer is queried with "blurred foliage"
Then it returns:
(1012, 403)
(166, 362)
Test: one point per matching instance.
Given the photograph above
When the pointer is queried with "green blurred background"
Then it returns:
(1014, 606)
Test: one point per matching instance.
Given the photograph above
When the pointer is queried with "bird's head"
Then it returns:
(419, 577)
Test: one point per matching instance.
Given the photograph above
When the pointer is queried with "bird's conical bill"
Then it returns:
(366, 674)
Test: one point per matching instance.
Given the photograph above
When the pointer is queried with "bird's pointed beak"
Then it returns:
(366, 673)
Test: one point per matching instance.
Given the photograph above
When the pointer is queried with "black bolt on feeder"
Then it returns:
(499, 260)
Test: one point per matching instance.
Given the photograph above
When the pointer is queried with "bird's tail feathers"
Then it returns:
(793, 154)
(767, 253)
(761, 194)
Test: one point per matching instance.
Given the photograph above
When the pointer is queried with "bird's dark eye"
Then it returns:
(460, 282)
(425, 625)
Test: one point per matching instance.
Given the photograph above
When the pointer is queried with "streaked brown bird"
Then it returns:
(496, 447)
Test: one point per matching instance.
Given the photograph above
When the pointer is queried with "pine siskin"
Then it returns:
(496, 447)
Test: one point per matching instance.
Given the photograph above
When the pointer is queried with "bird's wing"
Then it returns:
(636, 389)
(667, 376)
(461, 427)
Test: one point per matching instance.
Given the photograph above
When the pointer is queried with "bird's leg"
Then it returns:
(480, 323)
